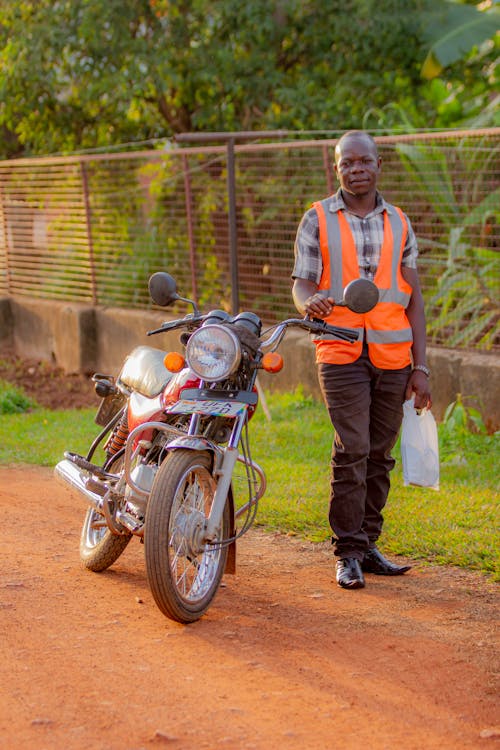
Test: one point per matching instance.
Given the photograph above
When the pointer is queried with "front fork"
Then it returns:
(225, 475)
(224, 463)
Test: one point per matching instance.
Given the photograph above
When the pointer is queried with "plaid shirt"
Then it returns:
(368, 233)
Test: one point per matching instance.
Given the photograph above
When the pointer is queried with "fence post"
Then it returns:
(233, 238)
(189, 217)
(88, 223)
(327, 163)
(230, 139)
(5, 230)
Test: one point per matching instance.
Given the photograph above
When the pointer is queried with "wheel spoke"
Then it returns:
(184, 573)
(192, 570)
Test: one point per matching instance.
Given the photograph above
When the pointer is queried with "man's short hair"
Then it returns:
(358, 134)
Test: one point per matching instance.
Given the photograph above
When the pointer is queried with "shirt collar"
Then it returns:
(337, 203)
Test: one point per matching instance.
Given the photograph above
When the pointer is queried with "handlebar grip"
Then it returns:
(319, 326)
(346, 334)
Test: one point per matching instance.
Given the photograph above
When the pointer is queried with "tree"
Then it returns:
(82, 74)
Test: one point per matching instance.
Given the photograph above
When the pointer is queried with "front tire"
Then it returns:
(183, 576)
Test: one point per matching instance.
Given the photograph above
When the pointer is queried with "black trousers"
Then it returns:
(365, 405)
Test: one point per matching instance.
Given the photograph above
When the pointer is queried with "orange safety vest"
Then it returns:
(387, 329)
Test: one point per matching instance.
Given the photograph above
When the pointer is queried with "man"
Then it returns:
(353, 234)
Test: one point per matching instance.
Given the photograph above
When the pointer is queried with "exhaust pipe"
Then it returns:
(69, 473)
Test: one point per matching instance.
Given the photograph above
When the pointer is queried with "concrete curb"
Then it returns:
(81, 338)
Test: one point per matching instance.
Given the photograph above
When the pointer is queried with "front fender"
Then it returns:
(202, 444)
(187, 442)
(194, 444)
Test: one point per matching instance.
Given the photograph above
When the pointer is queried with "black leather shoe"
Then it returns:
(349, 574)
(375, 562)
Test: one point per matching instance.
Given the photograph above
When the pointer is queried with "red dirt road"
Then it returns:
(283, 659)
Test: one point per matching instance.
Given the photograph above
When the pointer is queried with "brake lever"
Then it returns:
(314, 324)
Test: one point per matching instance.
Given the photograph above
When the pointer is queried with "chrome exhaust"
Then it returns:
(69, 473)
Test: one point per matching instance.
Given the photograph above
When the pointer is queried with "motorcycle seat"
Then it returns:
(144, 371)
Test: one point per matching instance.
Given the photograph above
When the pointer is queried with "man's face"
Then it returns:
(357, 165)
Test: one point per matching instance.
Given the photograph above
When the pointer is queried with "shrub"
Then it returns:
(13, 400)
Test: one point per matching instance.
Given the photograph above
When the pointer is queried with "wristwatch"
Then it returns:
(423, 369)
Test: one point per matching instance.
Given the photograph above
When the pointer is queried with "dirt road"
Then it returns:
(283, 659)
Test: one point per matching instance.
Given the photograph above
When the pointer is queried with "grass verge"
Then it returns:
(456, 525)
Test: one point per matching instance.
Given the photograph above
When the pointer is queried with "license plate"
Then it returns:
(213, 408)
(110, 405)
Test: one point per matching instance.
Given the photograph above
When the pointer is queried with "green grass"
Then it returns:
(13, 400)
(455, 525)
(41, 436)
(458, 524)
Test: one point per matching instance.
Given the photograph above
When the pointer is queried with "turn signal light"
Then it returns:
(174, 362)
(272, 362)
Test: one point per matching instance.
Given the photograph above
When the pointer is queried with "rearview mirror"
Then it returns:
(360, 296)
(163, 289)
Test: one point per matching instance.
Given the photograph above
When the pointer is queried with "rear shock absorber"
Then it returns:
(118, 437)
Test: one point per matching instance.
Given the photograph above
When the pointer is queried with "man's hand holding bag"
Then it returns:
(419, 447)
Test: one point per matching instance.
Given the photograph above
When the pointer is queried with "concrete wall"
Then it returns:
(83, 339)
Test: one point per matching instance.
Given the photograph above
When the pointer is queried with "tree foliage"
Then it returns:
(464, 302)
(455, 30)
(80, 74)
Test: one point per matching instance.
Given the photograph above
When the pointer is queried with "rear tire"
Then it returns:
(183, 577)
(99, 547)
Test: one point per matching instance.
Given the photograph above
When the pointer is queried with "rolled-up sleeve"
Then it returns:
(410, 252)
(308, 261)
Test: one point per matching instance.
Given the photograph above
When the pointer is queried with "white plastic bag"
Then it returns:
(419, 447)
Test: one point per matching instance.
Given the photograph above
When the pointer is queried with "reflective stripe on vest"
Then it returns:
(391, 294)
(386, 327)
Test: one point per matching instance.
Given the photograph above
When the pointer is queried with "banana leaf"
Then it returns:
(428, 166)
(455, 33)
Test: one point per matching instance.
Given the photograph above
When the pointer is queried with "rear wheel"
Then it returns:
(99, 548)
(184, 574)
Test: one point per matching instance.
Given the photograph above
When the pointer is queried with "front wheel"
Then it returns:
(183, 574)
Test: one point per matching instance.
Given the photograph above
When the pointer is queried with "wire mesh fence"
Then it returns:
(92, 228)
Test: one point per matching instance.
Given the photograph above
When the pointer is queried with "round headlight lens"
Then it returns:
(213, 352)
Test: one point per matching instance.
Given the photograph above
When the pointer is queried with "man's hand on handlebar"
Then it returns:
(311, 301)
(318, 305)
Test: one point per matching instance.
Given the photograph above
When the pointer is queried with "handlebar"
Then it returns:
(190, 321)
(312, 325)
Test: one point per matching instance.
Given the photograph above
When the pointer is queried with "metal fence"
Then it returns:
(222, 219)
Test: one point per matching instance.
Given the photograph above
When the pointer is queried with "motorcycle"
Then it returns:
(178, 471)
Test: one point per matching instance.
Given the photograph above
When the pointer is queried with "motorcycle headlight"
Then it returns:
(213, 352)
